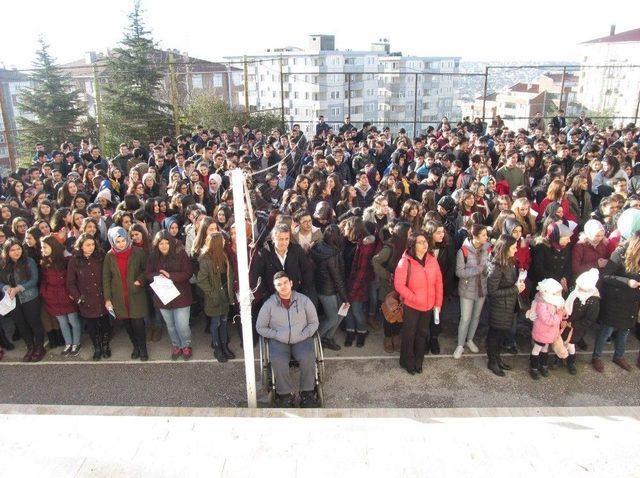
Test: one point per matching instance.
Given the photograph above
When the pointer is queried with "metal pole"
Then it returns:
(174, 94)
(8, 134)
(564, 73)
(282, 93)
(246, 90)
(244, 294)
(635, 121)
(349, 95)
(484, 94)
(96, 87)
(229, 86)
(415, 105)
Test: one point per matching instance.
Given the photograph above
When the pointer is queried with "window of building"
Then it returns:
(217, 81)
(196, 81)
(335, 112)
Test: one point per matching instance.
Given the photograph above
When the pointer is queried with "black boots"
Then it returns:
(494, 362)
(218, 353)
(534, 366)
(106, 346)
(97, 348)
(434, 346)
(227, 352)
(5, 343)
(503, 365)
(360, 338)
(544, 364)
(571, 364)
(349, 338)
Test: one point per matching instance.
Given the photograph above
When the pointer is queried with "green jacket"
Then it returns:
(217, 288)
(113, 290)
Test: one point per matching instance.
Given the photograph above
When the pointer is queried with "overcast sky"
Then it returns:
(474, 30)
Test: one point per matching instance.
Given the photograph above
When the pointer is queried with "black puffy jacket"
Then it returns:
(549, 263)
(620, 303)
(503, 295)
(329, 270)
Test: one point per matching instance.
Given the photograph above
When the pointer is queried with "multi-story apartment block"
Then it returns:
(614, 89)
(377, 85)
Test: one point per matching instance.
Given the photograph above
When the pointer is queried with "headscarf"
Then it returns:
(591, 228)
(510, 223)
(116, 232)
(585, 288)
(555, 232)
(168, 221)
(629, 223)
(217, 179)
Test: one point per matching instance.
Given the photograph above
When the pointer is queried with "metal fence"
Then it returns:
(398, 97)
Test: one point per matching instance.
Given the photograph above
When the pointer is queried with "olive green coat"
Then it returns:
(216, 288)
(113, 290)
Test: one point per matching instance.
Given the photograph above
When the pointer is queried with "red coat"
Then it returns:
(584, 256)
(54, 292)
(361, 274)
(425, 290)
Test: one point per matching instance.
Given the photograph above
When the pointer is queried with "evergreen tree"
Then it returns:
(51, 107)
(132, 108)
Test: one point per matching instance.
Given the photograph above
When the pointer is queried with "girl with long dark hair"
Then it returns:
(19, 279)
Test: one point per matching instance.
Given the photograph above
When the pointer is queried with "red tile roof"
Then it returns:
(628, 36)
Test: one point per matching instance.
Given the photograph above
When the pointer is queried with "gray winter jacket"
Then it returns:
(290, 326)
(470, 268)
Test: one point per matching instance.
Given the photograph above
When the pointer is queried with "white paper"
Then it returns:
(572, 225)
(436, 316)
(344, 309)
(164, 288)
(7, 304)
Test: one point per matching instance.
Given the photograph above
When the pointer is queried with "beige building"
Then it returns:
(616, 88)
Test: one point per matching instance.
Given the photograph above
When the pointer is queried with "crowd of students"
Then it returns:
(535, 227)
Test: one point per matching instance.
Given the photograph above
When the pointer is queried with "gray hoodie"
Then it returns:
(288, 326)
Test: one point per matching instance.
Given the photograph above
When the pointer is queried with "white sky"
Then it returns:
(474, 30)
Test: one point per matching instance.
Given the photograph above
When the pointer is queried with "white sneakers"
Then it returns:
(473, 347)
(460, 349)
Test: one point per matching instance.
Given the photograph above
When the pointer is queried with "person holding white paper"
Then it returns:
(169, 260)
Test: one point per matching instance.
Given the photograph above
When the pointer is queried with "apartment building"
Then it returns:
(376, 85)
(614, 89)
(11, 83)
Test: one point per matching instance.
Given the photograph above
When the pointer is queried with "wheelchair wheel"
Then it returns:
(320, 395)
(319, 359)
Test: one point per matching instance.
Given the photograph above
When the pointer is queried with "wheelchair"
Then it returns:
(268, 376)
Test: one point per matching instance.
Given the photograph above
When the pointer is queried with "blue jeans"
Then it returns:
(177, 321)
(469, 318)
(329, 324)
(619, 344)
(355, 319)
(70, 327)
(219, 330)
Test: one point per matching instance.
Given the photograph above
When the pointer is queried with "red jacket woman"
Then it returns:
(591, 250)
(418, 280)
(424, 289)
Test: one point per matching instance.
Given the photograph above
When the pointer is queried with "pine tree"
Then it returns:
(132, 108)
(51, 109)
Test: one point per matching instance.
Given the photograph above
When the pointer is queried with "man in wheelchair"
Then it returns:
(289, 320)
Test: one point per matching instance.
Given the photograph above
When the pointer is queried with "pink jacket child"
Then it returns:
(547, 312)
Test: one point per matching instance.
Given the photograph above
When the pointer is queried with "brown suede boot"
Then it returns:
(388, 345)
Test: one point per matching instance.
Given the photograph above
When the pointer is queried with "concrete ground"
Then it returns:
(355, 378)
